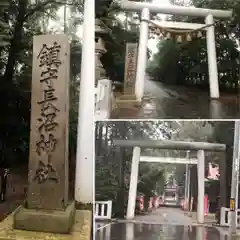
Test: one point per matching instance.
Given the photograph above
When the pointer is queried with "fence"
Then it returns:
(103, 99)
(103, 210)
(225, 217)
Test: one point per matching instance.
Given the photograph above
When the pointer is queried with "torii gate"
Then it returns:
(175, 160)
(200, 147)
(209, 15)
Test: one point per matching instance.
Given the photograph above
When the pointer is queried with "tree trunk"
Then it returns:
(16, 41)
(7, 89)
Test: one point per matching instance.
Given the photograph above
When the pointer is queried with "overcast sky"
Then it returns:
(59, 24)
(152, 44)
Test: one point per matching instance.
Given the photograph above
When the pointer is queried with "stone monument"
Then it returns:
(130, 68)
(48, 208)
(128, 101)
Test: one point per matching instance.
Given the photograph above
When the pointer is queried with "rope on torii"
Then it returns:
(169, 33)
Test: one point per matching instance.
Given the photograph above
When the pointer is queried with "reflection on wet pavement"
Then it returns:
(170, 216)
(140, 231)
(164, 101)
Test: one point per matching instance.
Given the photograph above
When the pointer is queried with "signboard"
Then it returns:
(130, 68)
(232, 204)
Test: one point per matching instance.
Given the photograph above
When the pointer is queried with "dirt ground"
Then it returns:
(16, 189)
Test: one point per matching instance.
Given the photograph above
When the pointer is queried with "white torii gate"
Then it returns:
(208, 14)
(200, 147)
(172, 160)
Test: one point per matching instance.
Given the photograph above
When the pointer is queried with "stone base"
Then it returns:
(133, 102)
(45, 220)
(81, 229)
(125, 104)
(127, 97)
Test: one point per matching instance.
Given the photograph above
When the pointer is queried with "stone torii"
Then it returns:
(199, 147)
(209, 15)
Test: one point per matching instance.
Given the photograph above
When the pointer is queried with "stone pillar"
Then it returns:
(212, 58)
(85, 161)
(48, 208)
(133, 183)
(186, 185)
(222, 179)
(130, 68)
(142, 54)
(201, 186)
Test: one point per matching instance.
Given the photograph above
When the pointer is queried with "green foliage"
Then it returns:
(151, 179)
(115, 41)
(19, 22)
(4, 27)
(114, 60)
(108, 160)
(124, 28)
(165, 63)
(102, 7)
(186, 63)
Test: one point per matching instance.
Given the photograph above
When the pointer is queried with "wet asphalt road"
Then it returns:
(142, 231)
(165, 216)
(171, 102)
(161, 224)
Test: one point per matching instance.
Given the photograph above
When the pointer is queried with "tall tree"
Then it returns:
(20, 21)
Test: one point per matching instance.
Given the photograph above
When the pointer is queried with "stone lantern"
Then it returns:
(100, 31)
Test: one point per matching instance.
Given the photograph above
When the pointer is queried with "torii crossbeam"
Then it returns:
(175, 10)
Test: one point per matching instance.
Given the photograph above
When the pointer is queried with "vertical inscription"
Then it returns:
(130, 68)
(48, 161)
(49, 64)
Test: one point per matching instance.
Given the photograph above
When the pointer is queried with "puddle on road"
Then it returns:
(193, 108)
(165, 102)
(141, 231)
